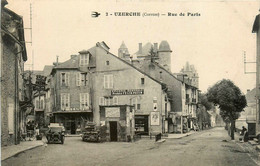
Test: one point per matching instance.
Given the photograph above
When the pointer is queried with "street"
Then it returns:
(210, 147)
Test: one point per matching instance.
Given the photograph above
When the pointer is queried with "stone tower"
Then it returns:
(123, 52)
(164, 55)
(192, 74)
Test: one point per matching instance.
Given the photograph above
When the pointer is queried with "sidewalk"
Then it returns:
(178, 136)
(9, 151)
(253, 142)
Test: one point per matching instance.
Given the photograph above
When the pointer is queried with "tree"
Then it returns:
(204, 101)
(230, 100)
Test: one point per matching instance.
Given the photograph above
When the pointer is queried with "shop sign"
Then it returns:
(155, 120)
(102, 123)
(113, 112)
(128, 92)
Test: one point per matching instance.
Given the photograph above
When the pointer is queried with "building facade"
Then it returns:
(13, 55)
(96, 78)
(256, 28)
(118, 82)
(70, 93)
(183, 96)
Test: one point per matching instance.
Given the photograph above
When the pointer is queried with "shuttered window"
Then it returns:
(65, 101)
(108, 81)
(84, 101)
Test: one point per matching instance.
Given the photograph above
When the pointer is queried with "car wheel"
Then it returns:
(62, 140)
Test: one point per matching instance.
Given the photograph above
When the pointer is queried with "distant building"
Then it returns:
(123, 52)
(192, 74)
(156, 62)
(14, 102)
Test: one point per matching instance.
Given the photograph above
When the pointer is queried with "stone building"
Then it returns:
(248, 116)
(41, 102)
(13, 55)
(191, 74)
(70, 88)
(255, 29)
(183, 96)
(96, 78)
(118, 82)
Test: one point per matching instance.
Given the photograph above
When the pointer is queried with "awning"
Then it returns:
(71, 112)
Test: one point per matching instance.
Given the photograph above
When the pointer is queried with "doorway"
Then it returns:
(113, 130)
(73, 127)
(141, 124)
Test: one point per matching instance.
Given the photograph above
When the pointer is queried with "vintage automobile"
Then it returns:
(55, 133)
(91, 134)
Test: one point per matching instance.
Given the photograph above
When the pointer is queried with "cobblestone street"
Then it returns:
(201, 148)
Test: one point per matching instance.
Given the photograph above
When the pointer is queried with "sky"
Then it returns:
(214, 42)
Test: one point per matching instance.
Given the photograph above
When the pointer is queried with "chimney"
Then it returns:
(140, 48)
(155, 47)
(73, 56)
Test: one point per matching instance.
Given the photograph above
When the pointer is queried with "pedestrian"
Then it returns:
(243, 130)
(246, 137)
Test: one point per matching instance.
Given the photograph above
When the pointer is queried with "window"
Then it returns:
(107, 62)
(41, 104)
(101, 101)
(84, 79)
(136, 103)
(138, 106)
(142, 81)
(84, 101)
(37, 104)
(78, 75)
(11, 118)
(81, 79)
(108, 81)
(115, 100)
(108, 100)
(65, 101)
(84, 59)
(64, 79)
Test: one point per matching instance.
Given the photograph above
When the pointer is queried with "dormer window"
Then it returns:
(84, 59)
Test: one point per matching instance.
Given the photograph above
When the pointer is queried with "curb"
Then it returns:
(161, 141)
(257, 147)
(21, 152)
(72, 135)
(253, 143)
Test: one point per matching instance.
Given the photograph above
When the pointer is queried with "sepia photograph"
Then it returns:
(130, 82)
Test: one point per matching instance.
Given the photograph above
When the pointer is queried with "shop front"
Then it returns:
(141, 124)
(73, 122)
(117, 123)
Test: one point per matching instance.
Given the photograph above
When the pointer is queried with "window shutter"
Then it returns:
(61, 101)
(86, 59)
(106, 101)
(101, 101)
(78, 79)
(80, 101)
(105, 81)
(60, 79)
(115, 100)
(87, 99)
(111, 81)
(68, 101)
(81, 60)
(67, 77)
(11, 118)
